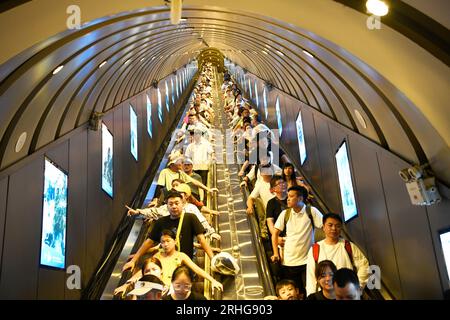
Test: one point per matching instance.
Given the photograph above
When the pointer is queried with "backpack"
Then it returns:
(308, 212)
(348, 249)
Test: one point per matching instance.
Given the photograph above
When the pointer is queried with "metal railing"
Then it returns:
(214, 222)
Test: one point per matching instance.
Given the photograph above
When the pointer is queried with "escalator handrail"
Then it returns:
(261, 257)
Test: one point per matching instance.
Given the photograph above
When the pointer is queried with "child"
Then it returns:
(286, 290)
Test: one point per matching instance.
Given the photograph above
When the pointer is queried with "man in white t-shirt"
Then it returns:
(299, 224)
(200, 152)
(344, 254)
(261, 190)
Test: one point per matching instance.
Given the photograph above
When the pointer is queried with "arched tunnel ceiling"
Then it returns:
(142, 45)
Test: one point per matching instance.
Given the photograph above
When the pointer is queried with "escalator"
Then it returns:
(239, 235)
(238, 231)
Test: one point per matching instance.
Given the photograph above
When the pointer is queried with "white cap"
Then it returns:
(142, 287)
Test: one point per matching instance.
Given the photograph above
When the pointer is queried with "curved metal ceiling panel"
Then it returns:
(142, 46)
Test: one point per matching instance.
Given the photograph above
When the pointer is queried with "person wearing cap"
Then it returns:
(183, 223)
(148, 287)
(151, 267)
(163, 211)
(191, 199)
(167, 175)
(185, 191)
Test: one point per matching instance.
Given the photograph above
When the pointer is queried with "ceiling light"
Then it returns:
(360, 118)
(280, 53)
(127, 61)
(142, 59)
(102, 64)
(377, 7)
(265, 52)
(58, 69)
(307, 53)
(21, 141)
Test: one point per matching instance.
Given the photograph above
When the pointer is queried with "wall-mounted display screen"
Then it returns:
(173, 90)
(160, 111)
(54, 211)
(256, 94)
(277, 110)
(301, 138)
(167, 96)
(133, 133)
(345, 183)
(445, 241)
(149, 117)
(107, 161)
(266, 111)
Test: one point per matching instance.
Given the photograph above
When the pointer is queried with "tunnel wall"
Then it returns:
(92, 215)
(402, 239)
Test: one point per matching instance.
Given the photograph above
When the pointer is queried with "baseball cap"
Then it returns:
(176, 160)
(183, 187)
(188, 161)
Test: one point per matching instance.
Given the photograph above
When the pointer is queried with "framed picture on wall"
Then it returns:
(346, 183)
(278, 113)
(54, 213)
(444, 236)
(133, 133)
(301, 138)
(107, 161)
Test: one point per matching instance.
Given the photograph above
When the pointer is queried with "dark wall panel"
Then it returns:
(51, 284)
(290, 109)
(130, 164)
(3, 203)
(120, 171)
(76, 213)
(326, 158)
(375, 231)
(19, 277)
(142, 133)
(311, 165)
(411, 234)
(96, 199)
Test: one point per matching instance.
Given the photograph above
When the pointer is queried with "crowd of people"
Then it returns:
(288, 222)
